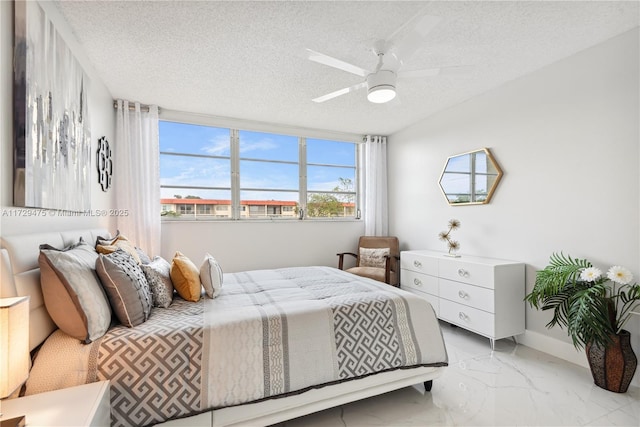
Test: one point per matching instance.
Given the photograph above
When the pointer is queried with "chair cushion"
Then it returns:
(372, 273)
(373, 257)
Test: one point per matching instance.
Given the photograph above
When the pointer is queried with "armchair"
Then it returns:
(377, 258)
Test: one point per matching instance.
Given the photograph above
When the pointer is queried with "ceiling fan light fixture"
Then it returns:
(381, 86)
(381, 94)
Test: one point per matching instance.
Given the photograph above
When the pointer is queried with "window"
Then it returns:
(203, 209)
(331, 177)
(269, 171)
(195, 164)
(208, 172)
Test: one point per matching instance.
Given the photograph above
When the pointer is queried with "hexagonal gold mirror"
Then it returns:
(470, 178)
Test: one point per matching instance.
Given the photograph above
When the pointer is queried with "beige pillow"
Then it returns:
(373, 257)
(108, 246)
(72, 291)
(211, 276)
(185, 277)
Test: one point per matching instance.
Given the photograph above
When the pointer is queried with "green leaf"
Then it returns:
(562, 270)
(589, 317)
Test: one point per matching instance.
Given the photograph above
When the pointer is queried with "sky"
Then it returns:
(215, 172)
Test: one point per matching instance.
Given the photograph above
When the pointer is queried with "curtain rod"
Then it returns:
(132, 107)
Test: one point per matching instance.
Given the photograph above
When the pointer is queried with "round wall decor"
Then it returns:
(104, 163)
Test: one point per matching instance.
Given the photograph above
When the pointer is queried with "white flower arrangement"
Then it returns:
(616, 274)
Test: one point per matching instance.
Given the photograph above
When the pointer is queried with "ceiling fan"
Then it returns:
(392, 55)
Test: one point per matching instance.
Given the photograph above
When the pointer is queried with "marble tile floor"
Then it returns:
(511, 386)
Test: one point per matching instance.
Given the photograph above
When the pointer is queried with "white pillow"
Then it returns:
(373, 257)
(211, 276)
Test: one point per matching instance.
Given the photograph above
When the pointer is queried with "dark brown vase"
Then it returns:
(613, 368)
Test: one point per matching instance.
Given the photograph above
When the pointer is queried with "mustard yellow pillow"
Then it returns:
(109, 246)
(185, 277)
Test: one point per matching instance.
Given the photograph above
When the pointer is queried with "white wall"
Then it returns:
(102, 118)
(567, 138)
(251, 245)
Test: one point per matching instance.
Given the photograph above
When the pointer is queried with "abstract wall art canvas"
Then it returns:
(52, 140)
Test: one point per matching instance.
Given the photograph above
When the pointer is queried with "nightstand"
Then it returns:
(84, 405)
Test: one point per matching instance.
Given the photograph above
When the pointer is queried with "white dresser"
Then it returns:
(483, 295)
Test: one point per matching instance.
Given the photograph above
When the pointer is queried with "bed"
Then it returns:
(273, 345)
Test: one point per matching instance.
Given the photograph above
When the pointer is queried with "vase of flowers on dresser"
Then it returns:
(593, 307)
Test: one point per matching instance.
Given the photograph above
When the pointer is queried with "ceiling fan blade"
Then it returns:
(340, 92)
(321, 58)
(430, 72)
(408, 38)
(456, 69)
(413, 74)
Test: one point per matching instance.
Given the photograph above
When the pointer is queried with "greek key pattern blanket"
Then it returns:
(155, 369)
(269, 333)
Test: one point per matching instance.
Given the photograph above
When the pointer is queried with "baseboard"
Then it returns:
(560, 349)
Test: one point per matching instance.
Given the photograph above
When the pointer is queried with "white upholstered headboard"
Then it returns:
(20, 274)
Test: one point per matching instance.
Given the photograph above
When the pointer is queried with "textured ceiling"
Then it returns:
(248, 60)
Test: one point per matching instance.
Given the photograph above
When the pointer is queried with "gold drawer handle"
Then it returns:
(463, 294)
(417, 282)
(463, 273)
(417, 263)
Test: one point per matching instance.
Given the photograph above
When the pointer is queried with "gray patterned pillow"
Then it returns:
(373, 257)
(126, 287)
(72, 292)
(158, 273)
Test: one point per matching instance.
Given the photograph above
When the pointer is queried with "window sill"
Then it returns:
(255, 220)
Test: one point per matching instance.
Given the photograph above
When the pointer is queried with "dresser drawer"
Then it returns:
(467, 317)
(460, 271)
(419, 281)
(420, 264)
(432, 299)
(469, 295)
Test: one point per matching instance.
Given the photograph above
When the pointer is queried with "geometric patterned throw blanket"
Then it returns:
(155, 367)
(269, 333)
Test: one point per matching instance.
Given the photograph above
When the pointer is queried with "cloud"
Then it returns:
(218, 146)
(263, 144)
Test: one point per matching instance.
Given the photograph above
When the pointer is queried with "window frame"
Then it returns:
(239, 210)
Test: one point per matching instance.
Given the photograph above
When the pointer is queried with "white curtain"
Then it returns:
(374, 185)
(136, 175)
